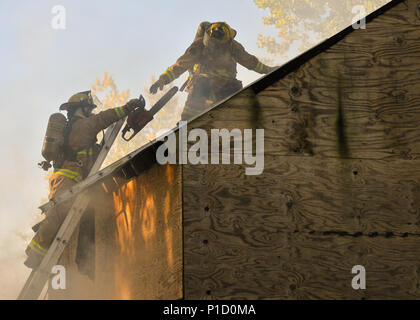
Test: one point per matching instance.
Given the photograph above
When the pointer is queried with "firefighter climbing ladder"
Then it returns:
(39, 277)
(95, 176)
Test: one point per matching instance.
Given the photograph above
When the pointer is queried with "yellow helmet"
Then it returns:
(80, 99)
(218, 33)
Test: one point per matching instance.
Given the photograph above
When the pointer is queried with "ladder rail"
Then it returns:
(39, 277)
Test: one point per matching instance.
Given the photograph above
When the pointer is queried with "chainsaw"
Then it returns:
(140, 117)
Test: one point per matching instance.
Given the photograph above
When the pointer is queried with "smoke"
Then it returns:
(13, 272)
(23, 185)
(19, 198)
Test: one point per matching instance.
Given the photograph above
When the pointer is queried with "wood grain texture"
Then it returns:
(392, 267)
(341, 183)
(257, 225)
(307, 194)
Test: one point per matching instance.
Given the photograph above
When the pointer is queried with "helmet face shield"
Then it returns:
(89, 99)
(218, 34)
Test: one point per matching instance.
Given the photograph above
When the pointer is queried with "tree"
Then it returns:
(165, 118)
(306, 21)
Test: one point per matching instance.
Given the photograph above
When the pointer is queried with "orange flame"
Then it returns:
(170, 174)
(167, 208)
(125, 206)
(168, 231)
(136, 228)
(148, 216)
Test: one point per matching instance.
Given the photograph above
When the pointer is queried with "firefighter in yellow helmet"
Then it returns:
(211, 60)
(79, 153)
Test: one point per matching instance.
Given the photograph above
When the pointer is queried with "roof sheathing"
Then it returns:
(142, 158)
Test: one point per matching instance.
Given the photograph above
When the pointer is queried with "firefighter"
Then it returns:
(211, 60)
(78, 155)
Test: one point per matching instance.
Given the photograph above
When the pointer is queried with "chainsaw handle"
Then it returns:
(142, 101)
(125, 131)
(127, 127)
(141, 120)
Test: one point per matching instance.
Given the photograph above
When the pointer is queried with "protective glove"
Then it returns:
(134, 104)
(157, 85)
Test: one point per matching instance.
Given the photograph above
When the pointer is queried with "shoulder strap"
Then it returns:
(62, 156)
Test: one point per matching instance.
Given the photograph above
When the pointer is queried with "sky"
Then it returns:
(42, 67)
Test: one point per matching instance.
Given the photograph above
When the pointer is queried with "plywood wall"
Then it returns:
(138, 240)
(341, 185)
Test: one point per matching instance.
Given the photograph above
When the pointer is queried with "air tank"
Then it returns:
(54, 137)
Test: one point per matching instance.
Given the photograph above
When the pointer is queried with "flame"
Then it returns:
(136, 211)
(125, 206)
(148, 216)
(168, 231)
(167, 208)
(136, 216)
(170, 174)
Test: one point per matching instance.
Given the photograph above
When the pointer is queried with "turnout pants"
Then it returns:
(53, 217)
(206, 92)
